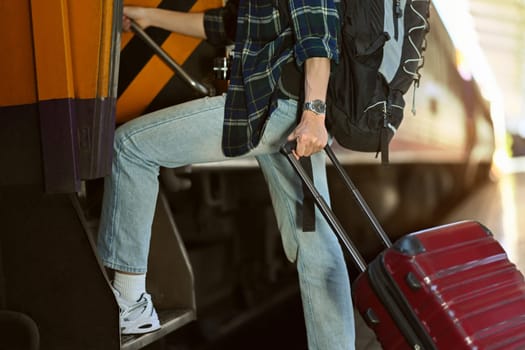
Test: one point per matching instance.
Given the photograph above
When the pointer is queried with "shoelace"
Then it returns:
(129, 310)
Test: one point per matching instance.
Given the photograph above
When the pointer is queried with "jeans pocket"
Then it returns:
(280, 124)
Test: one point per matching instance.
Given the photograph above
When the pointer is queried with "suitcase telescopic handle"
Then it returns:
(325, 209)
(359, 198)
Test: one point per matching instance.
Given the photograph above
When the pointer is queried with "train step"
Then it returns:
(170, 320)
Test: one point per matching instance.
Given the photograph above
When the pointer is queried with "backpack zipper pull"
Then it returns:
(416, 85)
(383, 138)
(398, 13)
(414, 100)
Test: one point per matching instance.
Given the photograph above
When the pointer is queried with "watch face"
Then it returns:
(316, 106)
(319, 106)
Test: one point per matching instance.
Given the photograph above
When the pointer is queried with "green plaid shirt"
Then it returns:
(264, 41)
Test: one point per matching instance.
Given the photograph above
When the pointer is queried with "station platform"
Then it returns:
(500, 205)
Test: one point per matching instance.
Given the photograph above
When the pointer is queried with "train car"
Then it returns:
(70, 77)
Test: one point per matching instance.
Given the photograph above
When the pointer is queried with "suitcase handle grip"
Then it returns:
(288, 147)
(325, 209)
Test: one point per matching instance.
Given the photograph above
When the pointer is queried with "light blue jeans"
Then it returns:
(191, 133)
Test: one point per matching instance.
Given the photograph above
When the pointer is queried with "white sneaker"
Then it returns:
(139, 317)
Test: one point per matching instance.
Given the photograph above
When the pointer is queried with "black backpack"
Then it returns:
(381, 50)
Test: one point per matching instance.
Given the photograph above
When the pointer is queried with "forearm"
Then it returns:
(317, 74)
(310, 133)
(186, 23)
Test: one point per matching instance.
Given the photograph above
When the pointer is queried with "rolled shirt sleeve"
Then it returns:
(315, 24)
(220, 24)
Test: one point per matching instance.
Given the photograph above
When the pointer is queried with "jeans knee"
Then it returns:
(123, 145)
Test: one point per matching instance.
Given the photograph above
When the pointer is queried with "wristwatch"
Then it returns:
(316, 106)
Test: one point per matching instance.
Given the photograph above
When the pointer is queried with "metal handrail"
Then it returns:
(208, 91)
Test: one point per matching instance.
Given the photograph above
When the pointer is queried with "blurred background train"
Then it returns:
(68, 77)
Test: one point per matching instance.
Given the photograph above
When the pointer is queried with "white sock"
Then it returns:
(130, 287)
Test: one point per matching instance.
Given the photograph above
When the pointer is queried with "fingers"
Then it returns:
(130, 13)
(126, 23)
(311, 135)
(306, 145)
(126, 19)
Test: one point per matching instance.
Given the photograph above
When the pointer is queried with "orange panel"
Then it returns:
(155, 74)
(91, 46)
(17, 82)
(52, 49)
(85, 19)
(204, 5)
(153, 77)
(106, 44)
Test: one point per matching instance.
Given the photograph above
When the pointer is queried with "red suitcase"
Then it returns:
(449, 287)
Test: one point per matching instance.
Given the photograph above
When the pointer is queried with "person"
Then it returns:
(259, 115)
